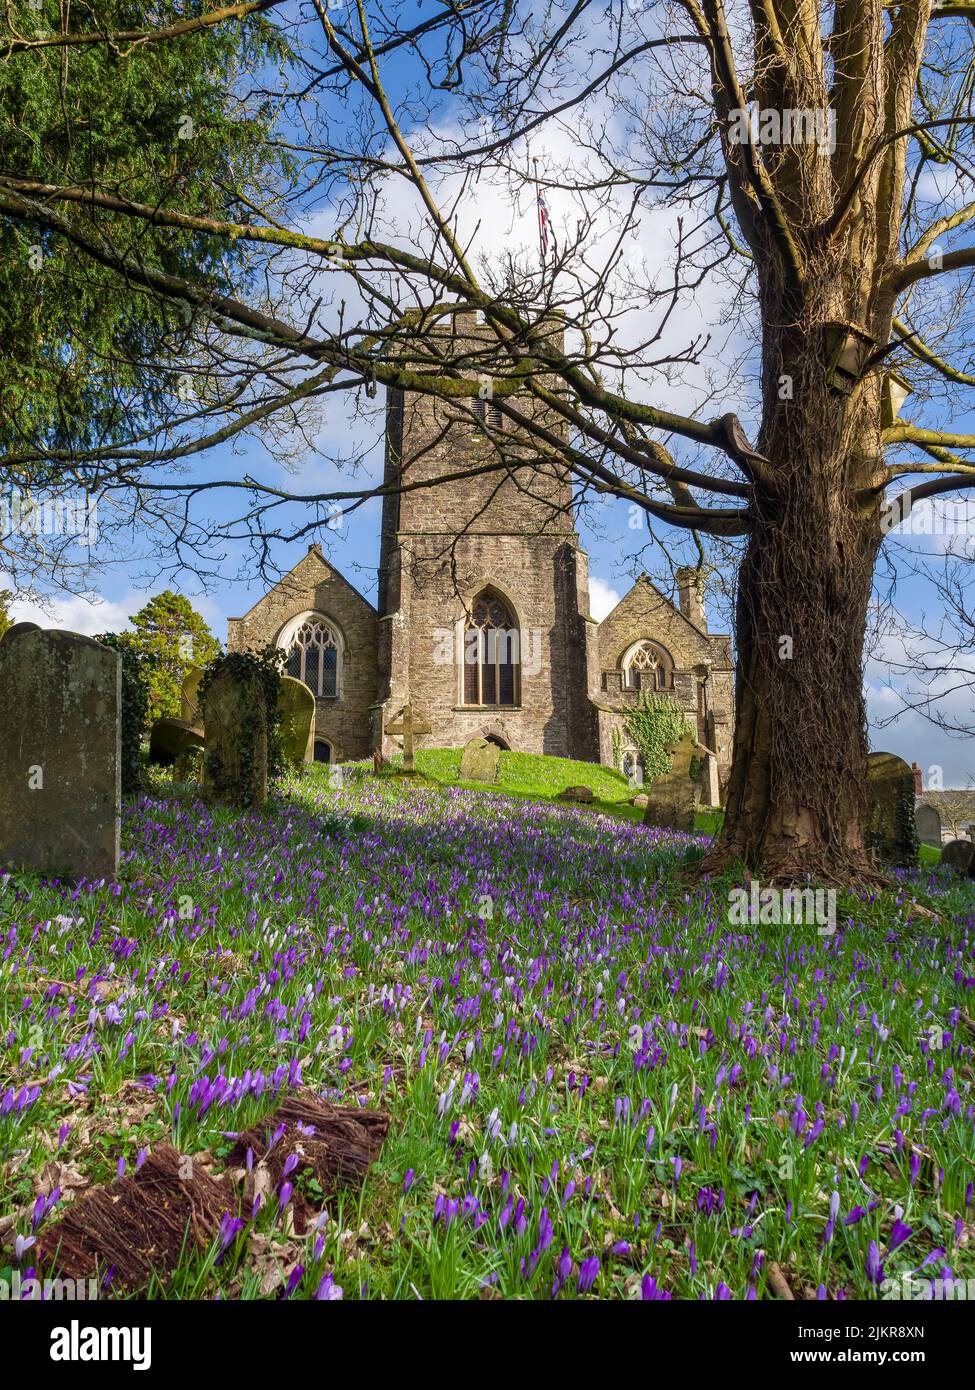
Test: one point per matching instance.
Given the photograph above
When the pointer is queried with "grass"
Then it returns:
(537, 778)
(592, 1074)
(531, 775)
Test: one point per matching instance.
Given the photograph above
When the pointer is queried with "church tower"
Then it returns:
(483, 587)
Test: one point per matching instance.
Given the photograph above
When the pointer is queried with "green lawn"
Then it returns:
(542, 778)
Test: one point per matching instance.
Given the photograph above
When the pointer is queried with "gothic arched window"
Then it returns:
(648, 667)
(313, 655)
(491, 653)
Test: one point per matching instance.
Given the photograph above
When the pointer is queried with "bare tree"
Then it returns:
(814, 164)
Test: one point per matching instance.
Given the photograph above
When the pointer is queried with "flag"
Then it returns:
(543, 223)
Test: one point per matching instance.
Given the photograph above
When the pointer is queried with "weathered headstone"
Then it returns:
(928, 824)
(958, 854)
(479, 761)
(235, 728)
(579, 793)
(296, 707)
(710, 782)
(189, 765)
(60, 755)
(168, 738)
(16, 630)
(889, 830)
(408, 722)
(673, 798)
(189, 697)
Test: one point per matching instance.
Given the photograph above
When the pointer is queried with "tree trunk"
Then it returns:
(797, 791)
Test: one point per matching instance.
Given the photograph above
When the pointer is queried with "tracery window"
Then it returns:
(648, 667)
(491, 653)
(313, 657)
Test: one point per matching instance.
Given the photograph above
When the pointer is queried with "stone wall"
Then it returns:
(539, 577)
(314, 586)
(510, 530)
(645, 613)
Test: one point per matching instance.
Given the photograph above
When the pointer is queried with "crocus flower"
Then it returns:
(650, 1291)
(22, 1244)
(328, 1291)
(898, 1235)
(588, 1271)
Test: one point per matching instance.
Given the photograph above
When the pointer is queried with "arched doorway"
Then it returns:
(323, 751)
(498, 742)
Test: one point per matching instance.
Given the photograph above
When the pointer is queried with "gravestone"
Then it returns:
(479, 762)
(408, 722)
(189, 765)
(169, 738)
(235, 730)
(60, 755)
(928, 824)
(889, 830)
(710, 782)
(580, 793)
(958, 854)
(296, 708)
(673, 798)
(15, 630)
(189, 698)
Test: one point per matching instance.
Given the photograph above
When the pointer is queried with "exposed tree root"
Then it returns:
(335, 1144)
(138, 1225)
(143, 1224)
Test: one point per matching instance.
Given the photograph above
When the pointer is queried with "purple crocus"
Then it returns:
(899, 1233)
(328, 1291)
(588, 1271)
(650, 1290)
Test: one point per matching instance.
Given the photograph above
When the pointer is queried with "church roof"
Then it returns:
(713, 637)
(313, 550)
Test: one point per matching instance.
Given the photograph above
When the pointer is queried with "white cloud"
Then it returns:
(79, 614)
(603, 598)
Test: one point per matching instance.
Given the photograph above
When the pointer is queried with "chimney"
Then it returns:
(690, 590)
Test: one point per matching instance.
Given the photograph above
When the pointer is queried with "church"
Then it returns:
(482, 617)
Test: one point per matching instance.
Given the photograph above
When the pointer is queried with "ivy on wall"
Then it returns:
(651, 725)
